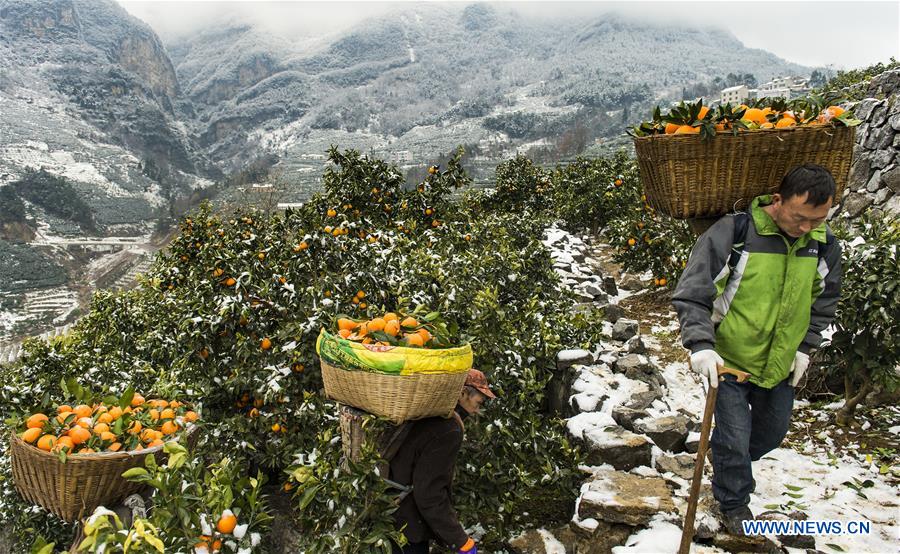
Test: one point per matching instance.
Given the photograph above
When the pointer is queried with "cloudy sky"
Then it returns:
(838, 34)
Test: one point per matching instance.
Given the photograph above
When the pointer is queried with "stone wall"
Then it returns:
(875, 173)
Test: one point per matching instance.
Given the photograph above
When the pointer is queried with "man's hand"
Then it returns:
(706, 363)
(469, 548)
(801, 363)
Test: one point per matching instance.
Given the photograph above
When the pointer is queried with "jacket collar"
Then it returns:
(765, 225)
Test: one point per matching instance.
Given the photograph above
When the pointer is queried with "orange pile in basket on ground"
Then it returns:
(396, 329)
(102, 427)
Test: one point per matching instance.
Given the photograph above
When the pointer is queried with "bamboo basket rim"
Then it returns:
(399, 349)
(783, 130)
(96, 456)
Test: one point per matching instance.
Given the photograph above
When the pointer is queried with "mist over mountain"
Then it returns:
(123, 130)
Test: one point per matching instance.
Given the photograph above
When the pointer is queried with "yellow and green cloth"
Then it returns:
(391, 360)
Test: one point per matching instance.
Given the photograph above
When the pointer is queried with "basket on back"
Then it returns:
(74, 488)
(395, 382)
(686, 177)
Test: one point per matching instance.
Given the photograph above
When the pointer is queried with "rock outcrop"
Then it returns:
(875, 174)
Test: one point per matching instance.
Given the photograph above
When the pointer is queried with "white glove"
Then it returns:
(801, 362)
(706, 363)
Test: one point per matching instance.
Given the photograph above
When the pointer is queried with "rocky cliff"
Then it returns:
(875, 173)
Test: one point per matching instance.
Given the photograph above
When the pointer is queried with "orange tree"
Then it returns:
(228, 315)
(864, 349)
(645, 240)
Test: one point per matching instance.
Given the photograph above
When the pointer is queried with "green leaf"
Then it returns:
(772, 506)
(835, 547)
(793, 494)
(308, 496)
(794, 487)
(137, 474)
(127, 397)
(431, 316)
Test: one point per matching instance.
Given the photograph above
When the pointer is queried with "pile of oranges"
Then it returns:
(694, 118)
(755, 118)
(102, 427)
(386, 330)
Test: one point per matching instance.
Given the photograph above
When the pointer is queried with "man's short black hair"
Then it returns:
(811, 178)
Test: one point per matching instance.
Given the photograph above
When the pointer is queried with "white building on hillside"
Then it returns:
(735, 95)
(774, 93)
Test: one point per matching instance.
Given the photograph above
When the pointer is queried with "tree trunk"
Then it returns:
(845, 416)
(352, 433)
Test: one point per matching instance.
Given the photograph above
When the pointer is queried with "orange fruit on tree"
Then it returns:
(409, 321)
(331, 212)
(64, 416)
(755, 115)
(362, 305)
(46, 443)
(230, 282)
(392, 327)
(64, 408)
(105, 417)
(85, 422)
(662, 281)
(226, 523)
(348, 324)
(64, 442)
(108, 436)
(687, 130)
(135, 427)
(785, 122)
(834, 111)
(391, 316)
(266, 343)
(115, 412)
(79, 435)
(31, 434)
(191, 415)
(631, 242)
(360, 295)
(377, 324)
(425, 334)
(414, 339)
(36, 421)
(100, 428)
(154, 414)
(168, 413)
(137, 400)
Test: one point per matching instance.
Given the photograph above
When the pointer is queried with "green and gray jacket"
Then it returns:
(775, 301)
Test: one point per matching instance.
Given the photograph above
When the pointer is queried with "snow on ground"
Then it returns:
(821, 483)
(660, 536)
(822, 493)
(551, 545)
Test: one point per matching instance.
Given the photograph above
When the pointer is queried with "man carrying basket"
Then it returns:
(757, 291)
(425, 462)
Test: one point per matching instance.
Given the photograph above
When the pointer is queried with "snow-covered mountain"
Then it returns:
(105, 129)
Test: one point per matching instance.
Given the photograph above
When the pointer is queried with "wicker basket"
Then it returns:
(396, 397)
(72, 490)
(685, 177)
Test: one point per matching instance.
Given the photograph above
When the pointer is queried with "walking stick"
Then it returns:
(687, 531)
